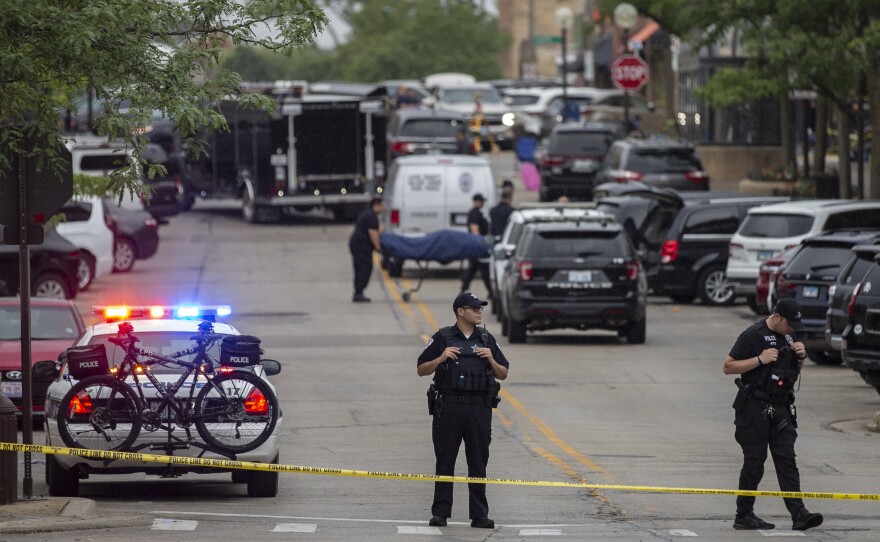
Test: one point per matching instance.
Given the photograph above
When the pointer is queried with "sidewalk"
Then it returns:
(54, 514)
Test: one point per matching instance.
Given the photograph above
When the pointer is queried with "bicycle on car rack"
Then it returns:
(233, 410)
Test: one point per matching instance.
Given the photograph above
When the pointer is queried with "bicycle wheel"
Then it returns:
(236, 412)
(99, 413)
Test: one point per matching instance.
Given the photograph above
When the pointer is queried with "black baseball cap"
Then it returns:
(467, 299)
(478, 197)
(791, 310)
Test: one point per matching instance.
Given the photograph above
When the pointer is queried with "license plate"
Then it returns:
(584, 166)
(811, 291)
(11, 389)
(764, 255)
(459, 219)
(580, 276)
(557, 170)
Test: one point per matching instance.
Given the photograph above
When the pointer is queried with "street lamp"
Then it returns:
(564, 17)
(625, 16)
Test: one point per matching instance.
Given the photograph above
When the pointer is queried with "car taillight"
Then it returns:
(150, 222)
(850, 308)
(402, 147)
(395, 217)
(81, 405)
(553, 160)
(110, 221)
(733, 247)
(632, 269)
(525, 270)
(698, 176)
(179, 183)
(256, 403)
(73, 255)
(624, 175)
(669, 252)
(783, 285)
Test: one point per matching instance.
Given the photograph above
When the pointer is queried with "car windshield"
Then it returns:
(432, 128)
(102, 162)
(580, 143)
(819, 260)
(47, 323)
(523, 99)
(468, 95)
(775, 226)
(160, 342)
(663, 161)
(562, 244)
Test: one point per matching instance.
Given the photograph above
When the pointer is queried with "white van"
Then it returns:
(428, 193)
(769, 229)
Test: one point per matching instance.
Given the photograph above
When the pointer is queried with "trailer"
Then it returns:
(314, 151)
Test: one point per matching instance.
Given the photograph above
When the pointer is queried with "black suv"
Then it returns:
(422, 131)
(571, 159)
(574, 275)
(808, 277)
(840, 294)
(693, 257)
(660, 162)
(861, 339)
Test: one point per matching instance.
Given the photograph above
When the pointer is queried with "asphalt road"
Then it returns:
(577, 407)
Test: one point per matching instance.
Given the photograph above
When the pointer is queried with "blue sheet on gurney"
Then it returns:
(443, 246)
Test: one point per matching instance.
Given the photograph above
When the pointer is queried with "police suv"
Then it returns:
(163, 330)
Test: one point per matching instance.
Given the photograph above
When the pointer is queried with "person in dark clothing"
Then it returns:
(769, 359)
(477, 225)
(466, 363)
(499, 214)
(363, 241)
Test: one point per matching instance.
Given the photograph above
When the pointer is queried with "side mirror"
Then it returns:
(271, 366)
(46, 370)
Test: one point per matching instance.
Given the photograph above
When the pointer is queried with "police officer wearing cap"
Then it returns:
(769, 358)
(477, 225)
(466, 363)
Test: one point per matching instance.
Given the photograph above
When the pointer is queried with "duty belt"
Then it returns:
(463, 399)
(766, 397)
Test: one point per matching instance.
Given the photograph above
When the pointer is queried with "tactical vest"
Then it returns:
(469, 374)
(775, 379)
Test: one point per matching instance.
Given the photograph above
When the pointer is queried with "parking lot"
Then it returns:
(578, 406)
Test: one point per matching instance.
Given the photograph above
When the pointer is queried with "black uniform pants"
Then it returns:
(473, 424)
(474, 265)
(755, 432)
(363, 268)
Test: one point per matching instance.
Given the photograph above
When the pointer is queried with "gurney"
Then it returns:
(442, 246)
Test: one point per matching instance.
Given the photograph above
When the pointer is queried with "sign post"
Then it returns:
(629, 72)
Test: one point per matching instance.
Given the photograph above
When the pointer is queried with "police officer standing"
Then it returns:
(363, 241)
(466, 363)
(769, 360)
(477, 225)
(500, 214)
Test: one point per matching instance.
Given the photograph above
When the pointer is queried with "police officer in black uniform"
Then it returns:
(363, 241)
(477, 225)
(769, 359)
(466, 363)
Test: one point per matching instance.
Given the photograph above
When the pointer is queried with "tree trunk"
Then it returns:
(785, 120)
(874, 104)
(821, 147)
(843, 166)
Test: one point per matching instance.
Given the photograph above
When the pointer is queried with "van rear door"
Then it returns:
(421, 198)
(462, 182)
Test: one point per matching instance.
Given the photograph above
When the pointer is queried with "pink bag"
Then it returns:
(530, 177)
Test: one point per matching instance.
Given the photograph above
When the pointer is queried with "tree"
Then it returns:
(824, 45)
(408, 39)
(150, 55)
(260, 64)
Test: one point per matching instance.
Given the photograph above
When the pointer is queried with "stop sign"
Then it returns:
(629, 72)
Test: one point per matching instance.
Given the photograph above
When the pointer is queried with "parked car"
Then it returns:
(463, 99)
(163, 335)
(840, 294)
(658, 162)
(765, 296)
(87, 226)
(545, 104)
(693, 258)
(135, 234)
(571, 158)
(526, 214)
(608, 107)
(770, 229)
(808, 277)
(420, 131)
(53, 268)
(582, 275)
(860, 346)
(54, 326)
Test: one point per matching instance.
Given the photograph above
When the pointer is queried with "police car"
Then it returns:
(163, 330)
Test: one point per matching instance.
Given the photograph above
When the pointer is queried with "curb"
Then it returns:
(76, 515)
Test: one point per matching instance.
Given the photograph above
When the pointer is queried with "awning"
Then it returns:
(642, 35)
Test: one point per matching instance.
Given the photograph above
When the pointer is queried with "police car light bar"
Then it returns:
(114, 313)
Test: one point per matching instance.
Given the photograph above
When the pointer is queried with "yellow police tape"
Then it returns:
(101, 455)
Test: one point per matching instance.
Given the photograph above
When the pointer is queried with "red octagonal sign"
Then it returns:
(629, 72)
